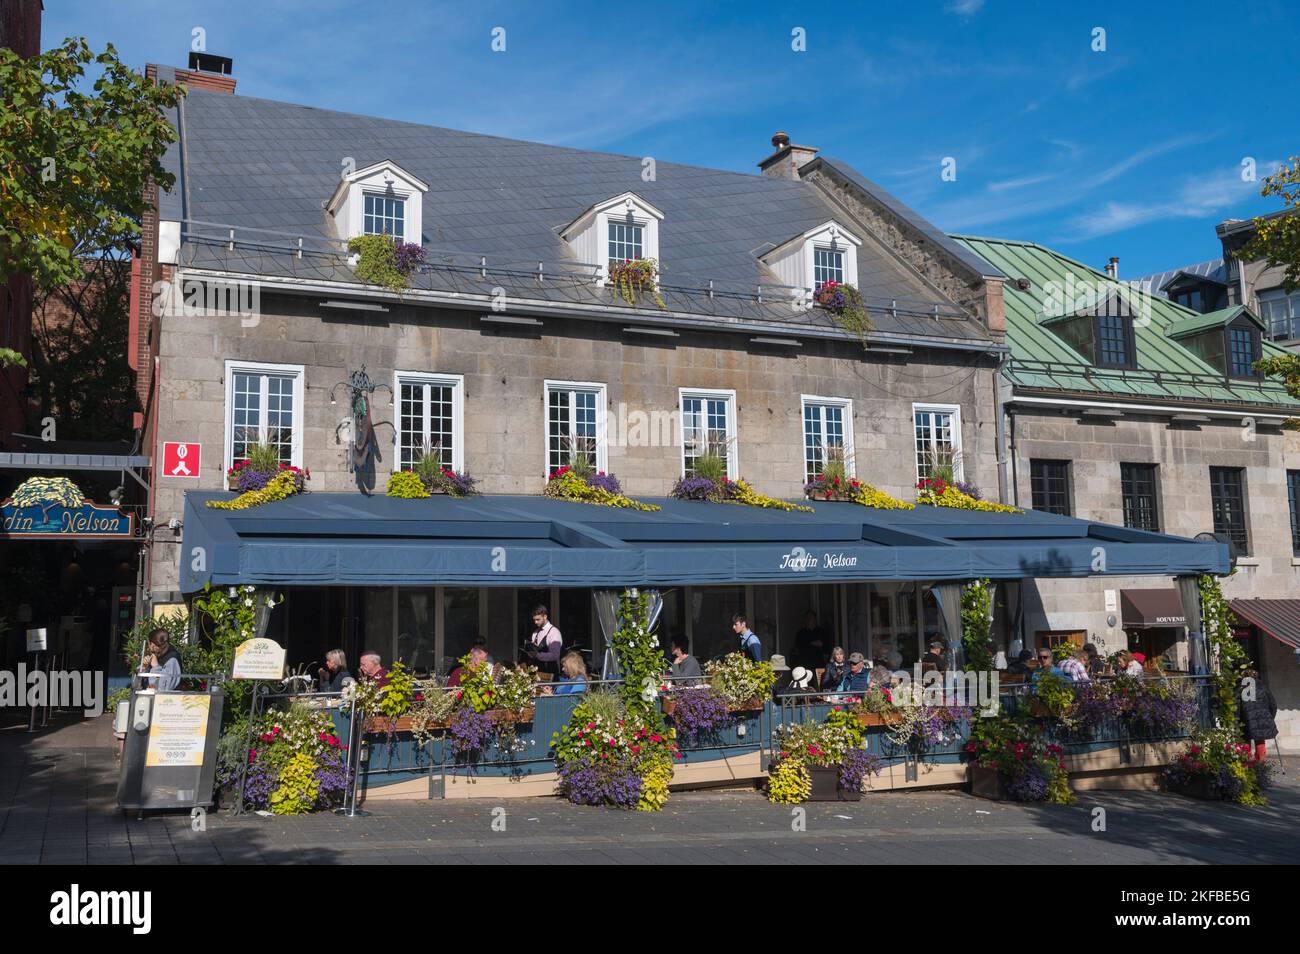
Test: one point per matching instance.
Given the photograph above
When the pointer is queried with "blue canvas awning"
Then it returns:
(325, 539)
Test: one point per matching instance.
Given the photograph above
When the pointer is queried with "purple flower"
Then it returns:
(458, 485)
(694, 488)
(470, 731)
(1028, 785)
(589, 782)
(700, 711)
(857, 765)
(970, 490)
(605, 482)
(407, 257)
(253, 479)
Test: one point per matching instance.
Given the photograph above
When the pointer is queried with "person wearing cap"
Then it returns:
(1020, 665)
(858, 678)
(1137, 666)
(1075, 667)
(782, 670)
(935, 656)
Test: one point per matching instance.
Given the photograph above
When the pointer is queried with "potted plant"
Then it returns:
(708, 481)
(1010, 758)
(1217, 766)
(697, 711)
(845, 303)
(876, 708)
(634, 277)
(820, 761)
(744, 685)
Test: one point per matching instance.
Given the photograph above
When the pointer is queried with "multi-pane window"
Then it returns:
(708, 428)
(827, 435)
(1281, 314)
(1113, 341)
(1242, 353)
(263, 406)
(1138, 487)
(1049, 484)
(626, 241)
(1293, 498)
(938, 442)
(573, 431)
(385, 215)
(828, 266)
(1228, 504)
(427, 419)
(1189, 299)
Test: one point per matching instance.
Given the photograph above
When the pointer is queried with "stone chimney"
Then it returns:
(206, 71)
(786, 161)
(1112, 267)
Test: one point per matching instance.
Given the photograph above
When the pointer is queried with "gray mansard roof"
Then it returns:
(266, 168)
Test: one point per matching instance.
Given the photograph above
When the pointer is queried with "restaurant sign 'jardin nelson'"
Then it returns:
(54, 507)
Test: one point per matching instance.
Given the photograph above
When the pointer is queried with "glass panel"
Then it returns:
(416, 627)
(625, 242)
(378, 634)
(828, 266)
(460, 625)
(934, 441)
(711, 611)
(500, 623)
(574, 620)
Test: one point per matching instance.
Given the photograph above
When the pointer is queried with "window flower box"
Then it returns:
(988, 783)
(506, 716)
(874, 719)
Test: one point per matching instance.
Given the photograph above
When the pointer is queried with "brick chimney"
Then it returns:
(206, 71)
(786, 161)
(1112, 267)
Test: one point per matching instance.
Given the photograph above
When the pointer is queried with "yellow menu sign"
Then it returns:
(179, 730)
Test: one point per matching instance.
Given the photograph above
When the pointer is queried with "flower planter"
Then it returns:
(506, 715)
(827, 495)
(750, 705)
(385, 725)
(1198, 786)
(871, 719)
(988, 783)
(1038, 709)
(826, 786)
(232, 482)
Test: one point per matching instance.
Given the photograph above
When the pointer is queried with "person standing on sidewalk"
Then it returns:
(1258, 708)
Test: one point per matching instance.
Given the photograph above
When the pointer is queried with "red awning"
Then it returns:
(1279, 618)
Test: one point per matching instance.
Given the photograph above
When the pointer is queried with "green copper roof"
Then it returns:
(1213, 319)
(1041, 360)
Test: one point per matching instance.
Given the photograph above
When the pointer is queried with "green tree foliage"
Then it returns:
(74, 164)
(1277, 240)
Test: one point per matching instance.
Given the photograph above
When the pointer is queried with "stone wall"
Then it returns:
(504, 396)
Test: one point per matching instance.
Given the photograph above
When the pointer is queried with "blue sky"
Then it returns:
(1133, 151)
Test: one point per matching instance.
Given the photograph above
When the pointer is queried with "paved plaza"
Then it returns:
(57, 791)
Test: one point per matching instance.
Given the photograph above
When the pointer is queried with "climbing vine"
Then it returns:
(1227, 654)
(976, 623)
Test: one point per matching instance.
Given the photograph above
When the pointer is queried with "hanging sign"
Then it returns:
(258, 659)
(85, 522)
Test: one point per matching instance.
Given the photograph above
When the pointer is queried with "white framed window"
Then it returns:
(708, 427)
(620, 228)
(385, 215)
(828, 266)
(382, 198)
(827, 433)
(938, 439)
(626, 240)
(264, 405)
(430, 418)
(575, 424)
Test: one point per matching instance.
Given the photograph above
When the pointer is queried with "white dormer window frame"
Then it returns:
(589, 234)
(795, 260)
(384, 179)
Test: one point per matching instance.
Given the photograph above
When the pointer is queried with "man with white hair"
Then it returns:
(372, 668)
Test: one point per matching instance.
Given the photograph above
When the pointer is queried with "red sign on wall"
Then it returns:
(181, 459)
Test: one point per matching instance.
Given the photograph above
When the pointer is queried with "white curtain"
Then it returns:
(1190, 593)
(948, 596)
(607, 606)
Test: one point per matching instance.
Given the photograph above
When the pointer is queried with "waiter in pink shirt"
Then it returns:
(545, 644)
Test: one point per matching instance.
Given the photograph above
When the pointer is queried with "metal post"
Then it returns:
(248, 745)
(349, 808)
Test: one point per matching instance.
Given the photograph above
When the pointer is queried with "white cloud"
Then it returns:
(965, 8)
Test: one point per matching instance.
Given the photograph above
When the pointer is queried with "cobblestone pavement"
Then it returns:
(57, 791)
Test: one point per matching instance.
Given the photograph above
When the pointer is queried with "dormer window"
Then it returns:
(385, 215)
(379, 199)
(623, 228)
(828, 253)
(828, 266)
(1114, 341)
(626, 241)
(1243, 351)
